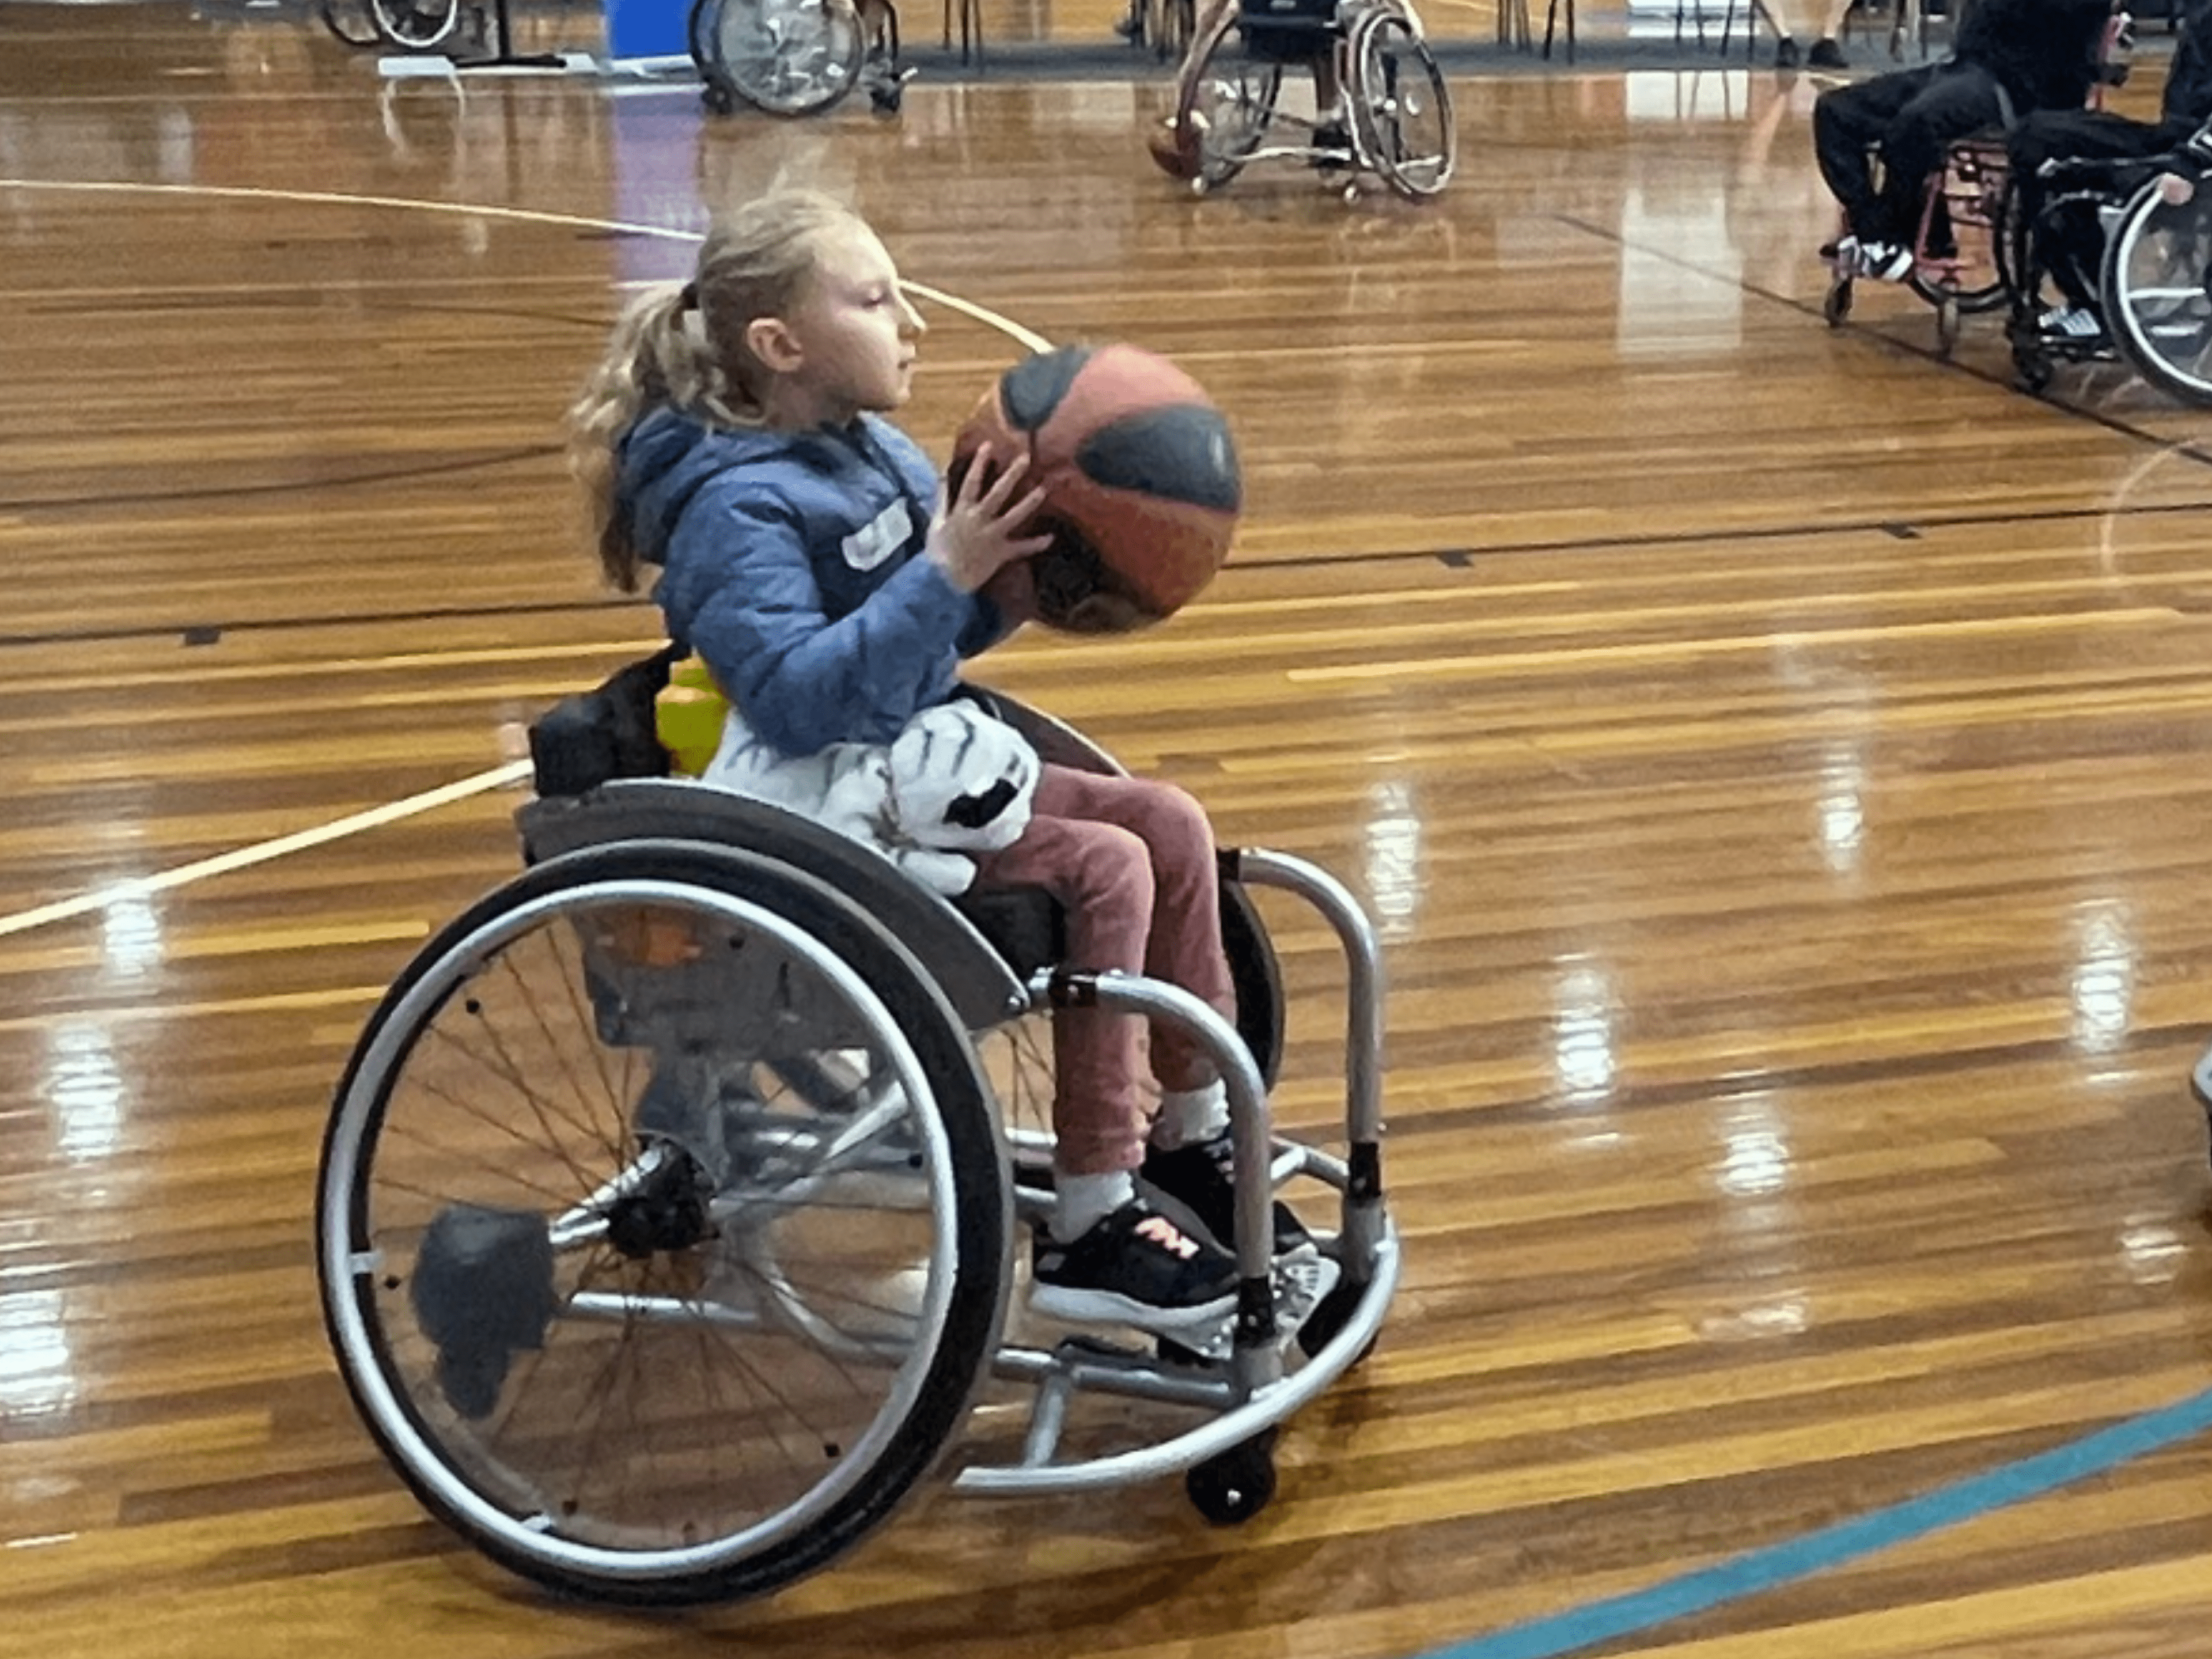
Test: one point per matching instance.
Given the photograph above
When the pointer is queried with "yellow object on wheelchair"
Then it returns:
(688, 716)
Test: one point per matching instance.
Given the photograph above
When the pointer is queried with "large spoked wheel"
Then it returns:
(1225, 105)
(786, 56)
(2158, 286)
(417, 25)
(663, 1225)
(1400, 107)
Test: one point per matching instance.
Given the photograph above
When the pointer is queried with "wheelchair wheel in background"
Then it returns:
(786, 56)
(2158, 286)
(350, 21)
(662, 1226)
(1225, 106)
(1400, 106)
(415, 25)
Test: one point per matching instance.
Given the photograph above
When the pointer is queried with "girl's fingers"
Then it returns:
(1023, 510)
(1003, 486)
(979, 468)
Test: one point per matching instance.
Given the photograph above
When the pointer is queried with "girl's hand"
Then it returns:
(977, 533)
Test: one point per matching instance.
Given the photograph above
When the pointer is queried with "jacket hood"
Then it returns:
(667, 456)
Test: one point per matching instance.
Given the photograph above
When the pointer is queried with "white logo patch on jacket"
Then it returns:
(881, 537)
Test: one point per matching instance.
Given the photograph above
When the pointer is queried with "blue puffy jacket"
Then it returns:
(791, 562)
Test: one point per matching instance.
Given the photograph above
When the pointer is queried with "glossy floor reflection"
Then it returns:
(1774, 757)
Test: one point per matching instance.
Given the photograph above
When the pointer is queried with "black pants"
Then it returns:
(1909, 118)
(2065, 238)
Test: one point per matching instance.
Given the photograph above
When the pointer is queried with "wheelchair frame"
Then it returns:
(775, 1044)
(1390, 87)
(795, 57)
(1957, 259)
(2154, 285)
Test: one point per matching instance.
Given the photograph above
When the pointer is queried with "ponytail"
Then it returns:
(683, 345)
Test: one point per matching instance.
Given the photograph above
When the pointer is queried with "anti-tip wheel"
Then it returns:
(1230, 1489)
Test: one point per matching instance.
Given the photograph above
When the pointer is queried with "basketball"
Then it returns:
(1141, 485)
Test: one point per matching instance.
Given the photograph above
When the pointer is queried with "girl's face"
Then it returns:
(853, 331)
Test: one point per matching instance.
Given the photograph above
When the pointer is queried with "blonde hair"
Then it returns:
(756, 263)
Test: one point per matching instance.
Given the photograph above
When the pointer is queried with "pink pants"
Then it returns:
(1131, 862)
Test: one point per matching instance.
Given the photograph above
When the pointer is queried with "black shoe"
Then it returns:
(1332, 145)
(1827, 54)
(1135, 1268)
(1197, 1182)
(1785, 53)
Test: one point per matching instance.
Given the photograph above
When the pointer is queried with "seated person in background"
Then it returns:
(2011, 57)
(2067, 240)
(1826, 52)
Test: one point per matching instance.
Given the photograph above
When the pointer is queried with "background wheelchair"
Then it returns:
(797, 56)
(2154, 284)
(665, 1217)
(1958, 246)
(1393, 114)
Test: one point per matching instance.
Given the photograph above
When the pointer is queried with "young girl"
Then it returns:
(807, 553)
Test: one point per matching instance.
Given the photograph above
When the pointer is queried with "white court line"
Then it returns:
(499, 777)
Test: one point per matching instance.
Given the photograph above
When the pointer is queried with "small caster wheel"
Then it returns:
(1351, 192)
(885, 100)
(1946, 324)
(717, 98)
(1837, 305)
(1230, 1489)
(2034, 372)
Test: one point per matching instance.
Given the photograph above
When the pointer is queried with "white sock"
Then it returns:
(1080, 1202)
(1191, 1117)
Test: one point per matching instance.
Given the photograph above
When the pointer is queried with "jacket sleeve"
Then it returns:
(741, 591)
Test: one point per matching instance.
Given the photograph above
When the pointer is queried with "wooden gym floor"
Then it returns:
(1776, 759)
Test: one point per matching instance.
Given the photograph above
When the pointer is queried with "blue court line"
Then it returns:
(1816, 1552)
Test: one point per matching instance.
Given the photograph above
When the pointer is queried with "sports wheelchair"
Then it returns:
(2154, 283)
(666, 1207)
(797, 56)
(1957, 249)
(1392, 112)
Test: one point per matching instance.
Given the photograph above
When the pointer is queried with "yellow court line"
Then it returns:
(499, 777)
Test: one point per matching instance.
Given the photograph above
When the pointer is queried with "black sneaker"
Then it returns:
(1826, 55)
(1134, 1268)
(1196, 1184)
(1785, 53)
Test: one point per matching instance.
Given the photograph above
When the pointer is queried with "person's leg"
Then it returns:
(1183, 943)
(1958, 100)
(2065, 237)
(1848, 124)
(1106, 1255)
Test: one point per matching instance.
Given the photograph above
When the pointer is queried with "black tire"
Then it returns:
(1226, 104)
(611, 1466)
(1401, 108)
(1231, 1488)
(2157, 288)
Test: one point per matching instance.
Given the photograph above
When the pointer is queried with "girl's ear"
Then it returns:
(773, 345)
